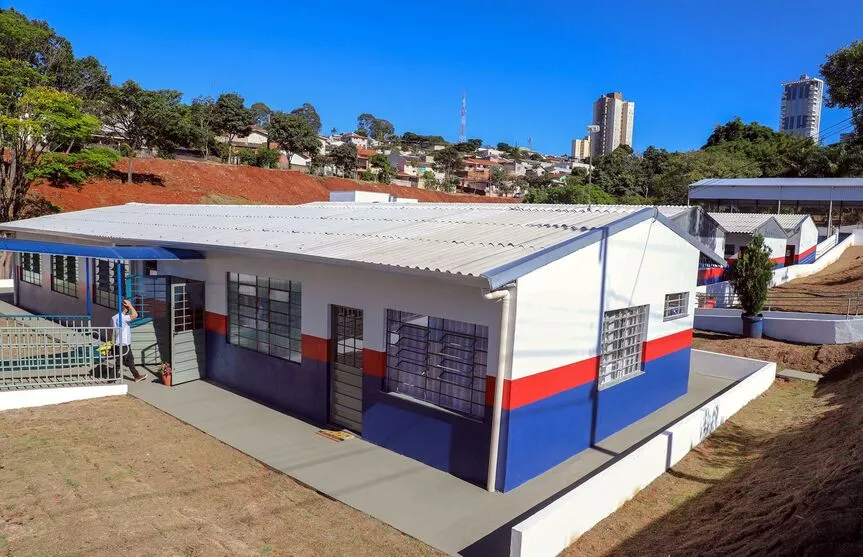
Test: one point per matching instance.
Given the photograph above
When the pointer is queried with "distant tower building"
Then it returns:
(800, 114)
(581, 148)
(462, 136)
(614, 116)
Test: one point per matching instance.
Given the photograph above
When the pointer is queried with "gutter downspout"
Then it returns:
(503, 369)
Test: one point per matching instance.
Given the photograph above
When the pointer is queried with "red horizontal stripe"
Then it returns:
(664, 346)
(316, 348)
(374, 363)
(539, 386)
(216, 323)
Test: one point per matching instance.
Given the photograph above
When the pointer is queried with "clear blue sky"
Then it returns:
(530, 69)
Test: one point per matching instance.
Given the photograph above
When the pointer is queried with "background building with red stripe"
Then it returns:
(490, 341)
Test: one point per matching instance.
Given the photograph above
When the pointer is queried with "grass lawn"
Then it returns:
(661, 520)
(118, 477)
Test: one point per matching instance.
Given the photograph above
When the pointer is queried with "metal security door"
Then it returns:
(188, 337)
(346, 369)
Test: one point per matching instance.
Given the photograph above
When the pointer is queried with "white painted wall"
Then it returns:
(372, 291)
(558, 306)
(809, 328)
(786, 274)
(31, 398)
(552, 529)
(776, 244)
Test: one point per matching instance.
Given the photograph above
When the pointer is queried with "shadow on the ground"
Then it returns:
(802, 496)
(137, 177)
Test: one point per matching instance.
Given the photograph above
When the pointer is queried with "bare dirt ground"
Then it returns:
(118, 477)
(842, 279)
(815, 358)
(175, 181)
(782, 477)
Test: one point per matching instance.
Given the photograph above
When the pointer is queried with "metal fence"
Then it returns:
(53, 351)
(848, 305)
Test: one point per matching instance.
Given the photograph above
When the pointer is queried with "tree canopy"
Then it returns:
(143, 118)
(294, 135)
(843, 74)
(308, 113)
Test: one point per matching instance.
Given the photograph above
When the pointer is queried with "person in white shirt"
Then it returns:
(123, 339)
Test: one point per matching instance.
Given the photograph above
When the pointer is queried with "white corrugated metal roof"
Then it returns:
(458, 239)
(778, 182)
(750, 222)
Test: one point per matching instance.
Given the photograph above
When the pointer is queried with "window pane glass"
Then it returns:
(437, 360)
(261, 316)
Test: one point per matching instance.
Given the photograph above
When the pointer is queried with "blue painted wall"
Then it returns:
(664, 379)
(541, 435)
(441, 439)
(295, 388)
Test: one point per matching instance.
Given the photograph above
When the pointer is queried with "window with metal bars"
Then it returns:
(264, 315)
(439, 361)
(31, 268)
(349, 336)
(105, 282)
(623, 334)
(64, 276)
(676, 306)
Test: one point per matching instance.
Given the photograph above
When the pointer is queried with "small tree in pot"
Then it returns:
(750, 276)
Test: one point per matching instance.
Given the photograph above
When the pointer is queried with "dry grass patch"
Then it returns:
(118, 477)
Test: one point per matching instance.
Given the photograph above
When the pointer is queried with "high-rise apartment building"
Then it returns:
(581, 148)
(614, 117)
(800, 113)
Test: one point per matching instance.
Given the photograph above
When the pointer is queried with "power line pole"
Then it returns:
(591, 129)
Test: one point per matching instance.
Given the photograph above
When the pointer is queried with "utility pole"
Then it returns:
(591, 129)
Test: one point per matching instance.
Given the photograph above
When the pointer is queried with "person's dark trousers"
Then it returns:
(128, 359)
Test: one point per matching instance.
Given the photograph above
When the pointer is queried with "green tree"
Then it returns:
(385, 169)
(201, 116)
(619, 172)
(308, 113)
(499, 180)
(344, 158)
(383, 130)
(376, 128)
(367, 176)
(50, 55)
(843, 74)
(261, 114)
(430, 181)
(36, 123)
(232, 119)
(413, 139)
(143, 118)
(294, 135)
(262, 157)
(751, 275)
(364, 124)
(449, 161)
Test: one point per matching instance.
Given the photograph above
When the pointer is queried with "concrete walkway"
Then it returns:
(439, 509)
(801, 375)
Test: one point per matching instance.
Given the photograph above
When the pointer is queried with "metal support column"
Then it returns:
(88, 288)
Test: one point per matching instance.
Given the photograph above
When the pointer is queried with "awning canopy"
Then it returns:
(130, 253)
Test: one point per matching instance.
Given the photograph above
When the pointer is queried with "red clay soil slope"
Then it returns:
(166, 181)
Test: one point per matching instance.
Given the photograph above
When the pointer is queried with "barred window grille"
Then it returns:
(105, 282)
(623, 334)
(31, 268)
(64, 278)
(676, 306)
(264, 315)
(439, 361)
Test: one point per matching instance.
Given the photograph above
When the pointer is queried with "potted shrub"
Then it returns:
(166, 371)
(750, 276)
